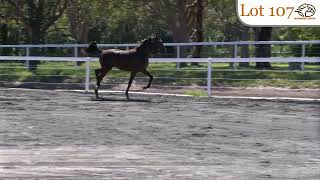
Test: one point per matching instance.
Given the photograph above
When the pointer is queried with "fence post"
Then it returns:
(178, 56)
(235, 54)
(303, 54)
(27, 54)
(75, 53)
(87, 74)
(209, 77)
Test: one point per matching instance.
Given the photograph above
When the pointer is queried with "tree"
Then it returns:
(121, 21)
(78, 14)
(10, 31)
(198, 33)
(226, 25)
(36, 17)
(263, 50)
(244, 36)
(296, 33)
(180, 16)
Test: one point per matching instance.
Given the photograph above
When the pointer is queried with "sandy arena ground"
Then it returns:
(46, 134)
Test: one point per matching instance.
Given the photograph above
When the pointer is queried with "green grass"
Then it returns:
(196, 93)
(68, 72)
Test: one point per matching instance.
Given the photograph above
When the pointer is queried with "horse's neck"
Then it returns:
(143, 51)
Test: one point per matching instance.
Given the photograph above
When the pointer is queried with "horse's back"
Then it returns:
(127, 60)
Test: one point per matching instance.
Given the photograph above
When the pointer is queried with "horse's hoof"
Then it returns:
(96, 93)
(145, 87)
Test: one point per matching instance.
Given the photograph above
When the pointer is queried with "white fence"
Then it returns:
(161, 60)
(177, 59)
(178, 46)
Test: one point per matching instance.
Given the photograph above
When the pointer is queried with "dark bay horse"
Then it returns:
(134, 60)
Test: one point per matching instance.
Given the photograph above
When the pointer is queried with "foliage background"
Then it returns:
(127, 21)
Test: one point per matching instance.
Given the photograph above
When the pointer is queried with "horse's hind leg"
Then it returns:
(97, 72)
(100, 73)
(145, 72)
(133, 74)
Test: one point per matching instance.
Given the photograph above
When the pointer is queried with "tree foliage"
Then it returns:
(35, 16)
(127, 21)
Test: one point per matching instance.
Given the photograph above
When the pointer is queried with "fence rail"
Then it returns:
(301, 49)
(300, 46)
(87, 60)
(168, 44)
(169, 60)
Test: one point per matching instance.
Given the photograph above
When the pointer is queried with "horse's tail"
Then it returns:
(93, 49)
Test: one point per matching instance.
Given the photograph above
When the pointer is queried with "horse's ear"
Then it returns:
(157, 35)
(93, 43)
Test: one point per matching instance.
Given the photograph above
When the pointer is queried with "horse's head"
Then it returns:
(152, 44)
(93, 49)
(157, 42)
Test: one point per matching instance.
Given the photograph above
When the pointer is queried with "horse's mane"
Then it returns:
(142, 43)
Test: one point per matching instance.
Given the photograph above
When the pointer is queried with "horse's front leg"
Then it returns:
(100, 73)
(133, 74)
(97, 72)
(145, 72)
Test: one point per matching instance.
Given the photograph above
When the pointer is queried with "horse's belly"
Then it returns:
(123, 61)
(130, 65)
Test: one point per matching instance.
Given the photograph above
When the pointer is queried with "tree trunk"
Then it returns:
(179, 15)
(4, 30)
(263, 50)
(244, 48)
(228, 30)
(178, 24)
(199, 30)
(36, 37)
(296, 65)
(78, 25)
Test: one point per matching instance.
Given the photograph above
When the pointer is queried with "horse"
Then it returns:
(133, 60)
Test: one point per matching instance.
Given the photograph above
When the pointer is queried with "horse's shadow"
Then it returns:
(119, 100)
